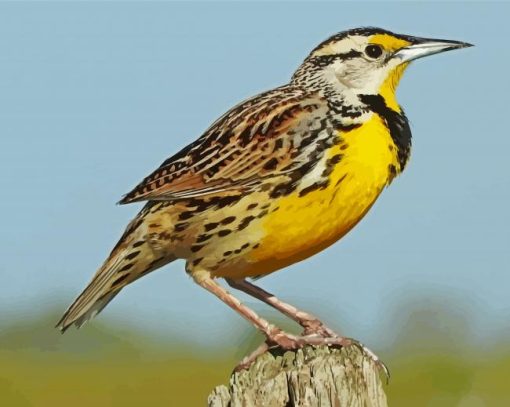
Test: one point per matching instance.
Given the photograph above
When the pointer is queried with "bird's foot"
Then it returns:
(288, 341)
(316, 327)
(335, 341)
(248, 360)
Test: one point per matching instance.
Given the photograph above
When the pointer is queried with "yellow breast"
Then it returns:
(304, 225)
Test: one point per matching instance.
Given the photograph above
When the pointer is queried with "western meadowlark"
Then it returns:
(276, 179)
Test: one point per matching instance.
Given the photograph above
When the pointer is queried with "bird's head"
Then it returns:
(367, 61)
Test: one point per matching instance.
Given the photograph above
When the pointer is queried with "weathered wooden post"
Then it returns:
(309, 377)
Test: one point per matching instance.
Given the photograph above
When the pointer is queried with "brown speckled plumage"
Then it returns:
(273, 181)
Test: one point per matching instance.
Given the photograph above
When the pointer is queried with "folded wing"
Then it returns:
(262, 138)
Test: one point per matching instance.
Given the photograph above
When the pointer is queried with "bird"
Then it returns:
(273, 181)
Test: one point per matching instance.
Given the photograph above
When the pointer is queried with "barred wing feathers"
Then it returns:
(262, 138)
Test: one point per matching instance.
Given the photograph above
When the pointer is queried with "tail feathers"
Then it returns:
(122, 267)
(79, 317)
(98, 293)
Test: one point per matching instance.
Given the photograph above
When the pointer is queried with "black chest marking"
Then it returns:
(396, 122)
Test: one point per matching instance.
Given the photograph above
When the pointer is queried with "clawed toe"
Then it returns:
(378, 362)
(287, 341)
(341, 341)
(248, 360)
(318, 329)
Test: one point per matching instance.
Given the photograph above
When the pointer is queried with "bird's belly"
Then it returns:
(298, 226)
(302, 227)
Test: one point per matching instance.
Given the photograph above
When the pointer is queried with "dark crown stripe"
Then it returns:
(363, 31)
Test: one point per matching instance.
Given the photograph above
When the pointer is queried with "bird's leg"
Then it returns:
(310, 323)
(315, 333)
(273, 334)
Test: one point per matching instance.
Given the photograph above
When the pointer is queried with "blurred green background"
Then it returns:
(434, 361)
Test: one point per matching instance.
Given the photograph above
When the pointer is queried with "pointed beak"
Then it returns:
(424, 47)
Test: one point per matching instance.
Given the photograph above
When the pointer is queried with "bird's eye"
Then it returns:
(373, 51)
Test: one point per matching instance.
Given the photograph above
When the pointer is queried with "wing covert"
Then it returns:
(259, 139)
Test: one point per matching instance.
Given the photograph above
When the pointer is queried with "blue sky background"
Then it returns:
(94, 96)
